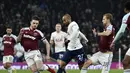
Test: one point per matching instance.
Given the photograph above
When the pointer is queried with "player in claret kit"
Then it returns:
(105, 55)
(9, 41)
(125, 24)
(29, 37)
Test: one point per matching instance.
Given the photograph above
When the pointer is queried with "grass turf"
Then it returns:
(68, 71)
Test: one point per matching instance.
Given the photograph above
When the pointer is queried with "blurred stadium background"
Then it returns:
(87, 13)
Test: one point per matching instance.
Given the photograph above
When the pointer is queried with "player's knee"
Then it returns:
(89, 62)
(34, 70)
(39, 67)
(125, 63)
(7, 65)
(61, 63)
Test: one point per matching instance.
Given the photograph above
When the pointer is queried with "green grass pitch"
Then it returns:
(68, 71)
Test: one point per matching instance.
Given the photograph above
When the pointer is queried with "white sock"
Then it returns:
(44, 67)
(83, 70)
(10, 70)
(105, 69)
(127, 71)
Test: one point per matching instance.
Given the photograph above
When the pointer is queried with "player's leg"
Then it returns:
(92, 60)
(60, 55)
(64, 61)
(40, 65)
(31, 64)
(126, 62)
(105, 59)
(81, 58)
(33, 68)
(7, 61)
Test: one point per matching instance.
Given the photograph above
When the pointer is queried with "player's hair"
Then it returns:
(68, 16)
(58, 24)
(109, 16)
(35, 17)
(8, 27)
(127, 5)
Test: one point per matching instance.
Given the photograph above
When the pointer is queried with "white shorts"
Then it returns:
(8, 59)
(128, 52)
(102, 58)
(32, 57)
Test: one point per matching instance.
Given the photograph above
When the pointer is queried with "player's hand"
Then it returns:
(15, 52)
(112, 45)
(66, 42)
(48, 57)
(94, 32)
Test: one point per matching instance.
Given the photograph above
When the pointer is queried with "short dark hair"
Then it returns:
(8, 27)
(127, 5)
(109, 16)
(35, 17)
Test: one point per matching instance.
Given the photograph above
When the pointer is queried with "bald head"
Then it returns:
(66, 19)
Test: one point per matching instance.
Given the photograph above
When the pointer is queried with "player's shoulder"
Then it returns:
(4, 35)
(25, 28)
(63, 32)
(110, 27)
(126, 16)
(12, 35)
(38, 31)
(73, 23)
(53, 33)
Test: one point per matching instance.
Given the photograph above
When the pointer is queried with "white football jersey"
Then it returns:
(73, 36)
(59, 40)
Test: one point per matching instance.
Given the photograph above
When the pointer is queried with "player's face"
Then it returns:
(34, 24)
(104, 20)
(65, 20)
(58, 27)
(9, 30)
(125, 10)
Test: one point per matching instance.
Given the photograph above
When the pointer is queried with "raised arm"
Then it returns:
(83, 36)
(20, 35)
(120, 32)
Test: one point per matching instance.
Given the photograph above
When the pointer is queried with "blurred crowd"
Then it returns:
(87, 13)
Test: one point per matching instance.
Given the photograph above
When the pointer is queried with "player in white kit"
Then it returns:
(125, 24)
(74, 46)
(58, 39)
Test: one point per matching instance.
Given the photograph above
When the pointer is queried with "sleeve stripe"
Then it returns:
(128, 20)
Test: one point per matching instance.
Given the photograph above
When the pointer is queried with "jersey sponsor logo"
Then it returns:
(59, 40)
(28, 36)
(35, 34)
(10, 38)
(7, 42)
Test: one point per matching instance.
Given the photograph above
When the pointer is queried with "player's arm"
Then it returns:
(52, 43)
(1, 44)
(104, 33)
(120, 32)
(75, 32)
(20, 36)
(51, 39)
(83, 36)
(47, 46)
(107, 32)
